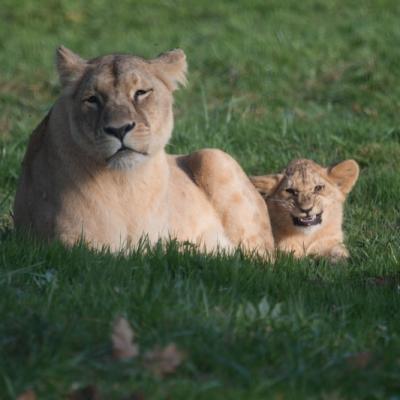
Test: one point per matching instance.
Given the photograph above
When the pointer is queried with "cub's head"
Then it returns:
(120, 106)
(306, 195)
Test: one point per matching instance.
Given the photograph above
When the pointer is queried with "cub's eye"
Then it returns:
(294, 192)
(318, 188)
(92, 100)
(141, 94)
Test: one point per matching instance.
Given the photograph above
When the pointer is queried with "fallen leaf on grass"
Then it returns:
(122, 337)
(390, 280)
(87, 393)
(27, 395)
(164, 361)
(91, 392)
(135, 396)
(332, 396)
(360, 360)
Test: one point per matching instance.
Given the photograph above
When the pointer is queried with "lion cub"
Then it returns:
(305, 204)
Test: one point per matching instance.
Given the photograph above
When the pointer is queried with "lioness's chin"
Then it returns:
(126, 161)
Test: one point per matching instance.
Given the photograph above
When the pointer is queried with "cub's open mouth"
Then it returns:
(308, 221)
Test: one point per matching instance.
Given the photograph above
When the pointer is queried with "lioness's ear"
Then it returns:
(171, 68)
(266, 184)
(344, 174)
(69, 65)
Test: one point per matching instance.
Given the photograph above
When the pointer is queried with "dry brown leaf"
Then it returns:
(360, 360)
(27, 395)
(388, 280)
(332, 396)
(87, 393)
(135, 396)
(122, 337)
(164, 361)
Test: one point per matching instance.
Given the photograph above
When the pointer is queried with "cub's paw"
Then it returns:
(338, 253)
(292, 248)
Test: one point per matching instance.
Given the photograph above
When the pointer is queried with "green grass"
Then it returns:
(269, 81)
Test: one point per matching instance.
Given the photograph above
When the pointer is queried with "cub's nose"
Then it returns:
(119, 132)
(305, 210)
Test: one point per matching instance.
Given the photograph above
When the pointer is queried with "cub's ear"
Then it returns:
(69, 65)
(344, 174)
(266, 184)
(171, 68)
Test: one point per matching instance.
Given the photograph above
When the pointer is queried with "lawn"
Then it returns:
(269, 81)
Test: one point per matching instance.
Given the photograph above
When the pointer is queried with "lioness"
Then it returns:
(305, 204)
(96, 168)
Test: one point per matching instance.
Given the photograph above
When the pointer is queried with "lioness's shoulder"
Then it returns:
(36, 140)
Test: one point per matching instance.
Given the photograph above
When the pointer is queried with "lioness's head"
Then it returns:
(305, 195)
(120, 106)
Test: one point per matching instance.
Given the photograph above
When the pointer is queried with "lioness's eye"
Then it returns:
(318, 188)
(92, 100)
(141, 94)
(294, 192)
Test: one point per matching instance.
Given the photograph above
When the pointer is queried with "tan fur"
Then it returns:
(76, 183)
(305, 185)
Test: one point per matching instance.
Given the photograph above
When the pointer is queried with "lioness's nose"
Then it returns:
(119, 132)
(305, 210)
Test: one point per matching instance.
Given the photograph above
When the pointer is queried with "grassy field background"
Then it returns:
(269, 81)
